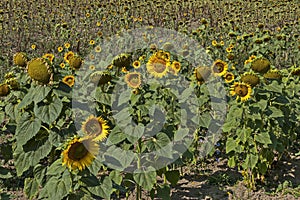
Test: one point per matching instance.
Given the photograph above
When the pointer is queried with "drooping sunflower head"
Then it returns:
(13, 83)
(69, 80)
(260, 65)
(100, 78)
(39, 70)
(158, 65)
(202, 73)
(219, 68)
(122, 60)
(95, 127)
(68, 55)
(296, 71)
(79, 153)
(273, 74)
(229, 77)
(241, 90)
(49, 56)
(175, 67)
(133, 79)
(75, 62)
(250, 78)
(4, 90)
(20, 59)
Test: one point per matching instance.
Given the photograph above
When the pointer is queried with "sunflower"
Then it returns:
(229, 77)
(67, 45)
(98, 49)
(92, 42)
(60, 49)
(241, 90)
(122, 60)
(4, 89)
(273, 74)
(214, 43)
(75, 62)
(79, 153)
(92, 67)
(49, 56)
(158, 65)
(250, 78)
(95, 127)
(136, 64)
(296, 71)
(261, 65)
(202, 74)
(69, 80)
(219, 67)
(100, 78)
(168, 46)
(68, 56)
(33, 47)
(175, 67)
(62, 65)
(39, 70)
(133, 79)
(20, 59)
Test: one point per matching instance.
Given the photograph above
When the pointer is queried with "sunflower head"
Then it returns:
(122, 60)
(219, 68)
(136, 64)
(39, 70)
(241, 90)
(100, 78)
(75, 62)
(133, 79)
(20, 59)
(168, 46)
(273, 74)
(13, 83)
(158, 64)
(175, 67)
(68, 55)
(79, 153)
(69, 80)
(260, 65)
(229, 77)
(202, 74)
(4, 90)
(95, 127)
(250, 78)
(49, 56)
(296, 71)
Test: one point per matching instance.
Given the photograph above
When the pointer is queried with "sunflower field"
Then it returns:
(127, 99)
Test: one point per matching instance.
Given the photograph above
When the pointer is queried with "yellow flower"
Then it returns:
(133, 79)
(69, 80)
(98, 49)
(67, 45)
(241, 90)
(157, 65)
(62, 65)
(175, 67)
(79, 153)
(49, 56)
(60, 49)
(96, 127)
(136, 64)
(229, 77)
(219, 67)
(68, 56)
(214, 43)
(33, 47)
(92, 42)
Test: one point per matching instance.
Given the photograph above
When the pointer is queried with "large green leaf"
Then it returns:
(48, 113)
(173, 177)
(115, 136)
(104, 190)
(27, 99)
(5, 173)
(27, 130)
(30, 154)
(31, 187)
(40, 93)
(163, 192)
(263, 138)
(145, 179)
(231, 145)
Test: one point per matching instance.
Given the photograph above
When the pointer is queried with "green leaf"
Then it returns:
(180, 134)
(274, 87)
(262, 104)
(104, 190)
(173, 177)
(115, 136)
(48, 113)
(164, 192)
(145, 179)
(40, 93)
(244, 134)
(231, 162)
(274, 112)
(205, 120)
(250, 161)
(5, 173)
(56, 168)
(263, 138)
(31, 187)
(27, 99)
(39, 172)
(27, 130)
(30, 154)
(231, 145)
(124, 97)
(116, 176)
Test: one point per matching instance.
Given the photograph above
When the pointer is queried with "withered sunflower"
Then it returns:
(296, 71)
(202, 73)
(241, 90)
(75, 62)
(273, 74)
(20, 59)
(260, 65)
(79, 153)
(158, 65)
(100, 78)
(39, 70)
(95, 127)
(133, 79)
(69, 80)
(219, 67)
(4, 89)
(250, 78)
